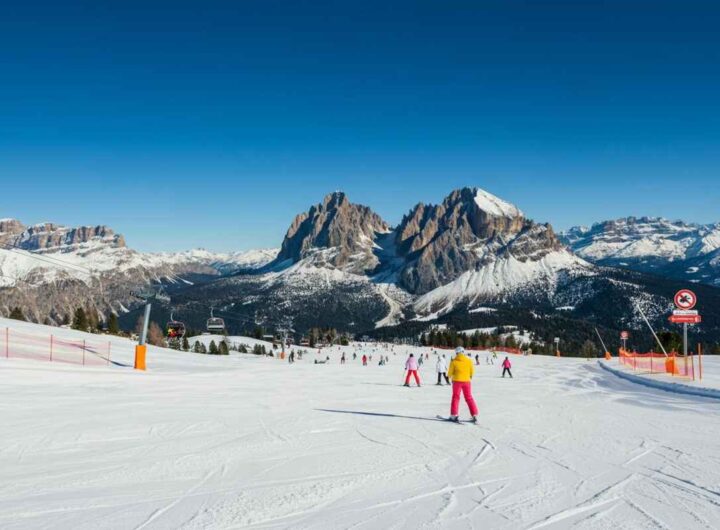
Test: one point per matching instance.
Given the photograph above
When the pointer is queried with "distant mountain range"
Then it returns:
(469, 260)
(674, 249)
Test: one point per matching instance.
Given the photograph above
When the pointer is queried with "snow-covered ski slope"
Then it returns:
(248, 442)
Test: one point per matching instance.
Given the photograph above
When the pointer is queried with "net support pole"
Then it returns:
(652, 330)
(141, 348)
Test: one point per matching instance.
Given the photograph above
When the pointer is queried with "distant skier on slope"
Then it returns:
(506, 367)
(461, 372)
(411, 365)
(342, 359)
(441, 367)
(364, 360)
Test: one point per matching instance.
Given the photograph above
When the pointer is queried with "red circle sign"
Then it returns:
(685, 299)
(625, 335)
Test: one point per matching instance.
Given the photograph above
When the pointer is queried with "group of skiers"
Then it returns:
(460, 371)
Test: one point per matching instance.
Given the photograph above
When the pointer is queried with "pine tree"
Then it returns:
(17, 314)
(185, 344)
(80, 321)
(223, 348)
(197, 348)
(213, 348)
(113, 324)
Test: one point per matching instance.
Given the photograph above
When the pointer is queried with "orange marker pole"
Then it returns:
(700, 360)
(141, 348)
(140, 352)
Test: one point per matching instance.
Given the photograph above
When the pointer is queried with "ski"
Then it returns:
(445, 418)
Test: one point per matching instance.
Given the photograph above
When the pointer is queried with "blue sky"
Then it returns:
(186, 124)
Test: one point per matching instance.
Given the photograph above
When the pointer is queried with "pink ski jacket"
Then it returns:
(506, 363)
(411, 364)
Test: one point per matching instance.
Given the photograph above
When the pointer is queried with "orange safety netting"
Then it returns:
(15, 344)
(659, 363)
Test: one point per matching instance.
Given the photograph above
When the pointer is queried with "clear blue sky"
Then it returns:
(185, 124)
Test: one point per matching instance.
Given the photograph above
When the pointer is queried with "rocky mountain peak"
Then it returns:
(335, 233)
(469, 229)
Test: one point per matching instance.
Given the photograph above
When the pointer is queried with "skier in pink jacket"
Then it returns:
(411, 365)
(506, 367)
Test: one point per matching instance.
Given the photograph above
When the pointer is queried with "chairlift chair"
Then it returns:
(175, 328)
(215, 323)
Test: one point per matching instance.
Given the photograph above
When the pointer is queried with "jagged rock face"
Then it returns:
(334, 233)
(49, 236)
(471, 228)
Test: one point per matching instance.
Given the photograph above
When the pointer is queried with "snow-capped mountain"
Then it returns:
(343, 259)
(475, 246)
(675, 249)
(49, 269)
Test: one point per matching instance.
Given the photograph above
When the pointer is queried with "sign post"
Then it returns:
(685, 301)
(624, 336)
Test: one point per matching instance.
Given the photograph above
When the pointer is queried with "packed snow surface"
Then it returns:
(249, 442)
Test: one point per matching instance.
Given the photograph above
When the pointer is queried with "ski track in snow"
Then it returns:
(248, 442)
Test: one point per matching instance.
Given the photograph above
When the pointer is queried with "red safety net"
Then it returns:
(16, 344)
(659, 363)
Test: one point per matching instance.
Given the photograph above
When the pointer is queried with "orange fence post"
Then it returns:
(692, 364)
(83, 353)
(700, 360)
(651, 362)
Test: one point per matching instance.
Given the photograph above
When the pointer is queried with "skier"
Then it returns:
(420, 360)
(506, 367)
(342, 359)
(441, 367)
(411, 365)
(461, 372)
(477, 359)
(354, 356)
(364, 360)
(291, 357)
